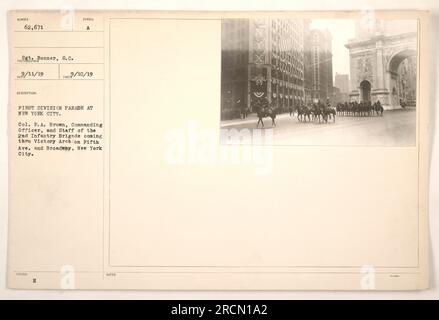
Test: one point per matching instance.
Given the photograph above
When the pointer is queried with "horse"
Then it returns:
(378, 108)
(402, 103)
(317, 113)
(328, 113)
(340, 109)
(266, 112)
(302, 113)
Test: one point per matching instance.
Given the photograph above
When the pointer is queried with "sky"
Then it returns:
(341, 30)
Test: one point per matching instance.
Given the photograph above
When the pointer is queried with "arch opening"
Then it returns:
(365, 88)
(402, 69)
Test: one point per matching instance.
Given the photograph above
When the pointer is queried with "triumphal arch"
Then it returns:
(383, 60)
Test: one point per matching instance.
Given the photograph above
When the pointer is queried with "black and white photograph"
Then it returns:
(340, 82)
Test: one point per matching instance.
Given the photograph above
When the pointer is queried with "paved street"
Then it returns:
(394, 128)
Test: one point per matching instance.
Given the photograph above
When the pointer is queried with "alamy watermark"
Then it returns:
(197, 146)
(368, 277)
(67, 277)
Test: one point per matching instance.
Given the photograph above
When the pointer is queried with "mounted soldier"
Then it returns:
(268, 110)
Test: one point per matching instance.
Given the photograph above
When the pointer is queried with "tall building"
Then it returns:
(307, 45)
(341, 88)
(318, 68)
(262, 61)
(234, 66)
(341, 81)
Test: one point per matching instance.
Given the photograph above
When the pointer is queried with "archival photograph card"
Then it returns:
(218, 150)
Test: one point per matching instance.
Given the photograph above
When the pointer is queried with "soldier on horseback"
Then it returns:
(378, 108)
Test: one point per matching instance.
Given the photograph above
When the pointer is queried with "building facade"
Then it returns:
(341, 81)
(307, 45)
(383, 62)
(341, 88)
(262, 62)
(234, 66)
(318, 67)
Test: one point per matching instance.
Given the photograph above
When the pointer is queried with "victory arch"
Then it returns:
(383, 64)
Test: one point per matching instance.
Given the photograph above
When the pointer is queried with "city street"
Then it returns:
(394, 128)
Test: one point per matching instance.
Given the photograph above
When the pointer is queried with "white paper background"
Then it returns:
(432, 5)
